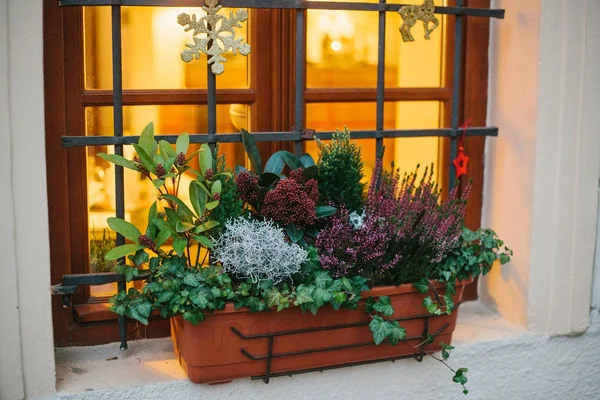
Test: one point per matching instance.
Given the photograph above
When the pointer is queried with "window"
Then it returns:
(256, 93)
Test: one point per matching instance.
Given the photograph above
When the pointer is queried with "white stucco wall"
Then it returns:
(26, 345)
(541, 183)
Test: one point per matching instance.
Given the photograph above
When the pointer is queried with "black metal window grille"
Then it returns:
(300, 133)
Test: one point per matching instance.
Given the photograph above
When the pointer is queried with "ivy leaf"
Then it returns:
(346, 284)
(191, 280)
(384, 306)
(460, 376)
(446, 350)
(422, 285)
(322, 279)
(127, 229)
(254, 304)
(321, 296)
(430, 305)
(369, 305)
(200, 300)
(337, 299)
(397, 334)
(380, 328)
(193, 317)
(164, 297)
(304, 294)
(449, 304)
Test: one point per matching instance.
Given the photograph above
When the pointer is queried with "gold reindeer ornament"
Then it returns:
(411, 14)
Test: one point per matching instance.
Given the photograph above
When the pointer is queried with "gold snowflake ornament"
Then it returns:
(214, 35)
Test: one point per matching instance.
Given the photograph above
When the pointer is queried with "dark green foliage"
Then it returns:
(341, 172)
(230, 205)
(98, 250)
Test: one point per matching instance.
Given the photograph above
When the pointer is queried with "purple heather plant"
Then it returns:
(407, 228)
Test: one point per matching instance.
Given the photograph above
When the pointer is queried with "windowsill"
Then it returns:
(81, 369)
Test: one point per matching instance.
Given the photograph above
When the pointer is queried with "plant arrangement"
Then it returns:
(275, 242)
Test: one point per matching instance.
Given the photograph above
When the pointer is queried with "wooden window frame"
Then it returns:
(271, 96)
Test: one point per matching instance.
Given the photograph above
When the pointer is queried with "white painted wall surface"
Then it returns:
(26, 344)
(541, 186)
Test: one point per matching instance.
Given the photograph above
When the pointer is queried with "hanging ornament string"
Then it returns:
(461, 161)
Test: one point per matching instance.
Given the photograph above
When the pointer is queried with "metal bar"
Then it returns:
(80, 141)
(300, 106)
(212, 104)
(458, 38)
(287, 4)
(269, 358)
(321, 369)
(380, 83)
(320, 350)
(117, 68)
(99, 278)
(354, 95)
(318, 329)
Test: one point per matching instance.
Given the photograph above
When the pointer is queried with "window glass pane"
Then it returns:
(406, 153)
(342, 51)
(140, 192)
(152, 44)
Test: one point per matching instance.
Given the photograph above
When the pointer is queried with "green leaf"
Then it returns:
(238, 169)
(212, 205)
(164, 297)
(422, 285)
(127, 229)
(321, 296)
(118, 160)
(205, 158)
(182, 143)
(182, 209)
(430, 305)
(179, 245)
(449, 304)
(193, 317)
(204, 241)
(145, 159)
(208, 225)
(296, 234)
(380, 328)
(304, 294)
(325, 211)
(147, 141)
(397, 334)
(254, 304)
(163, 225)
(122, 251)
(460, 376)
(158, 183)
(162, 237)
(252, 151)
(268, 179)
(166, 150)
(200, 300)
(216, 188)
(504, 258)
(311, 172)
(291, 160)
(140, 257)
(384, 306)
(322, 279)
(191, 280)
(275, 163)
(184, 226)
(307, 160)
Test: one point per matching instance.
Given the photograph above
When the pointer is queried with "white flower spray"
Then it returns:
(257, 250)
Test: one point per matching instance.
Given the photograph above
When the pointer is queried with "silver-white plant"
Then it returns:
(257, 250)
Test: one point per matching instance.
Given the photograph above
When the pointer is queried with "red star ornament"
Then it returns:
(460, 163)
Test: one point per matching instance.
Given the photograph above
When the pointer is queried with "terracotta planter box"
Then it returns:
(233, 344)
